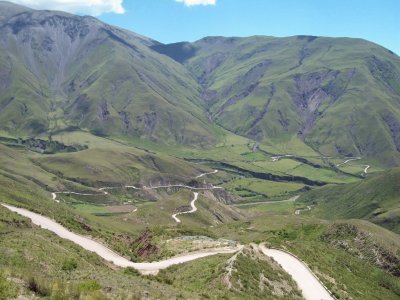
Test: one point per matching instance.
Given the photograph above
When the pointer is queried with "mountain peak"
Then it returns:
(8, 9)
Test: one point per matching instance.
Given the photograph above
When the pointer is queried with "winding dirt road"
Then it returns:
(108, 254)
(347, 161)
(209, 173)
(312, 289)
(366, 167)
(293, 199)
(174, 216)
(276, 158)
(175, 185)
(104, 192)
(54, 194)
(308, 283)
(194, 208)
(299, 210)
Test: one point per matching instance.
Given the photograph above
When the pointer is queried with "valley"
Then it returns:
(106, 200)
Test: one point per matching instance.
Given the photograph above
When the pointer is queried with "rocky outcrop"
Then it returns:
(143, 246)
(393, 125)
(310, 94)
(124, 119)
(385, 72)
(103, 111)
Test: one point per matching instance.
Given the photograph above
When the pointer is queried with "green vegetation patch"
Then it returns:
(41, 146)
(248, 188)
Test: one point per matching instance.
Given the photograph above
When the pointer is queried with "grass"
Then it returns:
(239, 149)
(91, 209)
(322, 174)
(282, 165)
(290, 145)
(7, 289)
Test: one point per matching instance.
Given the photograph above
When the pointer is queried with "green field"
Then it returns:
(250, 189)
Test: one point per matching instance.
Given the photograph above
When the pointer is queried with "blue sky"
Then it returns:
(172, 21)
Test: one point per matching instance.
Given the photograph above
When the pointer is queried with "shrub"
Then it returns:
(131, 271)
(89, 286)
(69, 265)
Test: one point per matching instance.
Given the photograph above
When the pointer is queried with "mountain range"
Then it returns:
(61, 72)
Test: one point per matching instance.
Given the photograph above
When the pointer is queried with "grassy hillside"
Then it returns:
(60, 71)
(355, 259)
(375, 199)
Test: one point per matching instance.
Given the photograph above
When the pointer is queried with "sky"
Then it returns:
(188, 20)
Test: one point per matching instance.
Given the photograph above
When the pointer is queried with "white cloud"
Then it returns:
(197, 2)
(91, 7)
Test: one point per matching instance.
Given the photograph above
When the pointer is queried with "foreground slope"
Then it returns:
(247, 274)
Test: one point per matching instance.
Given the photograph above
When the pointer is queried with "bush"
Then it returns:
(89, 286)
(69, 265)
(131, 271)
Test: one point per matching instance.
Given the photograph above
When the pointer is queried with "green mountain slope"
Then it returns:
(63, 71)
(375, 199)
(341, 96)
